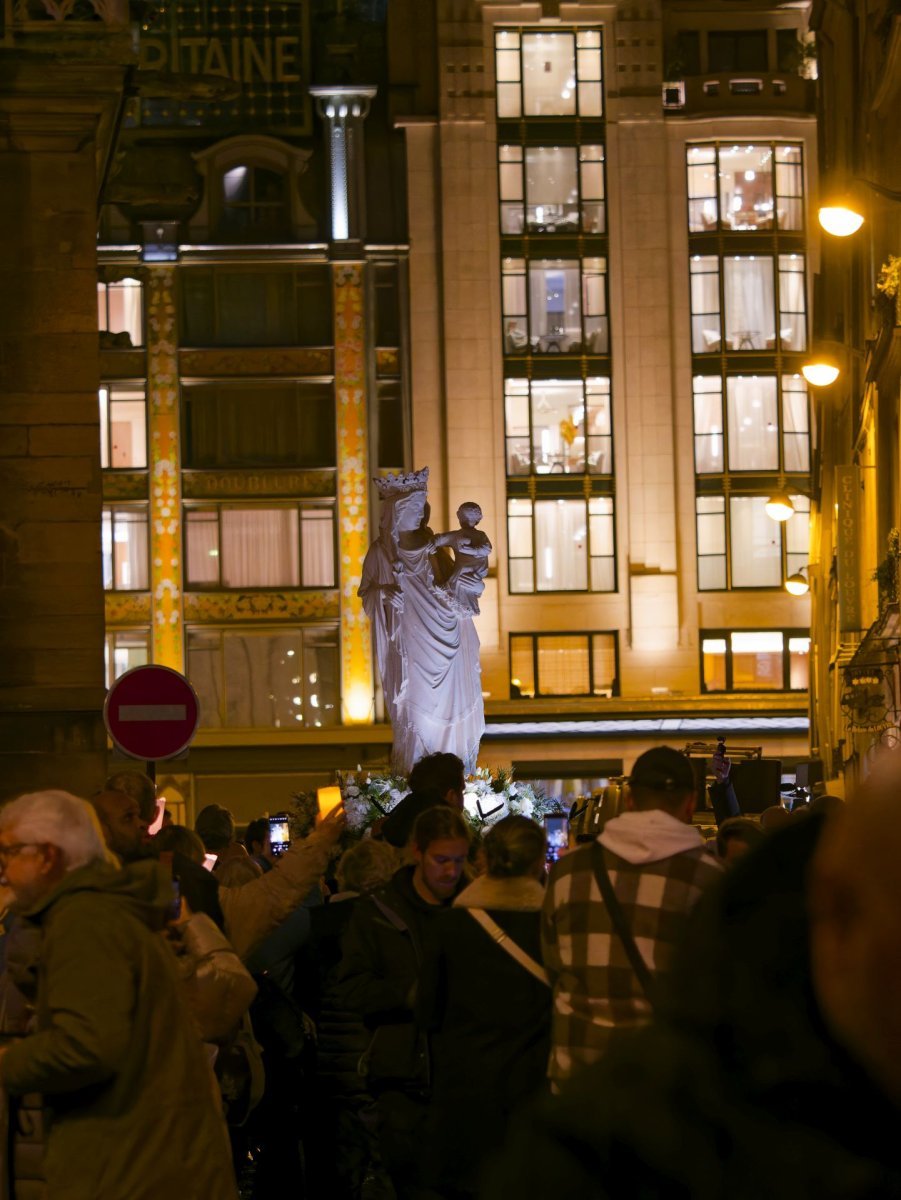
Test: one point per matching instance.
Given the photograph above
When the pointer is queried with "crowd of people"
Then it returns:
(435, 1013)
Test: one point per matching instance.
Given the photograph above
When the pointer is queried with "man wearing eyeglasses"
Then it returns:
(127, 1089)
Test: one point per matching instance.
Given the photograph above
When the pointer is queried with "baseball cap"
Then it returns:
(663, 769)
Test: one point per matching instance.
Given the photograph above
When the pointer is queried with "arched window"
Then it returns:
(253, 200)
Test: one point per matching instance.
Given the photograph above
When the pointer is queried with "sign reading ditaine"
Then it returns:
(151, 713)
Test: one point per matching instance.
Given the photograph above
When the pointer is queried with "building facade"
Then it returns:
(855, 543)
(560, 253)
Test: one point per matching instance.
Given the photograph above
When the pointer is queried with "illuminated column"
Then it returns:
(353, 492)
(165, 481)
(343, 110)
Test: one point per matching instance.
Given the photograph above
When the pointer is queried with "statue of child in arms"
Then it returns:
(471, 549)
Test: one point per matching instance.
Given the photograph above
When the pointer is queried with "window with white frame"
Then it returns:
(123, 427)
(740, 546)
(745, 188)
(265, 679)
(548, 74)
(563, 664)
(120, 310)
(766, 429)
(124, 548)
(561, 545)
(260, 547)
(754, 660)
(558, 426)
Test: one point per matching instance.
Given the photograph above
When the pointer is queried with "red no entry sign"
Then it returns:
(151, 712)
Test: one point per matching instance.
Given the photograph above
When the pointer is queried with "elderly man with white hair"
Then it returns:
(126, 1085)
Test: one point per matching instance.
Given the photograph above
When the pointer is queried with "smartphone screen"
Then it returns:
(279, 834)
(175, 906)
(209, 861)
(329, 798)
(557, 829)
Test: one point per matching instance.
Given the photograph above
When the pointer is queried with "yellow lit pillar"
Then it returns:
(353, 491)
(167, 609)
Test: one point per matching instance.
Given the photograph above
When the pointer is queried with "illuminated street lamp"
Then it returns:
(841, 219)
(779, 506)
(821, 370)
(797, 584)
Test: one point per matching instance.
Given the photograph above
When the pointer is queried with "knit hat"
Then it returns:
(663, 769)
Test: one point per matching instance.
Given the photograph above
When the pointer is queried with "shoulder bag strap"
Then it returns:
(620, 922)
(507, 943)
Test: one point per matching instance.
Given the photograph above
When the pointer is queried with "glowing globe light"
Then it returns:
(841, 220)
(780, 507)
(821, 371)
(797, 584)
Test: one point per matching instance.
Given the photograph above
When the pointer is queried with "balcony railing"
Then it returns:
(747, 92)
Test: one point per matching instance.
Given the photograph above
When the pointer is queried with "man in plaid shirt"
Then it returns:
(658, 868)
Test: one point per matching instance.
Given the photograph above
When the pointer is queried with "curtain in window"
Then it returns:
(750, 307)
(318, 548)
(260, 548)
(753, 424)
(202, 536)
(261, 688)
(555, 310)
(561, 535)
(756, 544)
(126, 310)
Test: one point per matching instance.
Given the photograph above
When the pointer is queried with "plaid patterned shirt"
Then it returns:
(595, 987)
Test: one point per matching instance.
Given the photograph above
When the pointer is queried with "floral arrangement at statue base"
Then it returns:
(487, 798)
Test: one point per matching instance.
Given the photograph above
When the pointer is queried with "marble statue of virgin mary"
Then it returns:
(426, 645)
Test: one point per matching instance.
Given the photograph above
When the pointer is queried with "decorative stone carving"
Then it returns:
(217, 607)
(419, 604)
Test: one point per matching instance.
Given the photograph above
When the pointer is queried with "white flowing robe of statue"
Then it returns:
(427, 653)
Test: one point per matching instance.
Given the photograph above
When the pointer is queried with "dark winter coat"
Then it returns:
(738, 1091)
(128, 1093)
(382, 952)
(489, 1021)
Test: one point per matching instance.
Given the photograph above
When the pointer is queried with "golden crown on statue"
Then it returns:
(402, 485)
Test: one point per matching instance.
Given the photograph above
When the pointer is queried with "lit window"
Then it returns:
(759, 422)
(563, 664)
(123, 427)
(125, 649)
(558, 427)
(548, 74)
(792, 303)
(229, 547)
(124, 549)
(120, 312)
(750, 308)
(560, 307)
(745, 188)
(285, 679)
(760, 660)
(706, 334)
(561, 545)
(762, 553)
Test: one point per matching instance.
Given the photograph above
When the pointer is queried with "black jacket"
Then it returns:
(738, 1090)
(489, 1024)
(382, 951)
